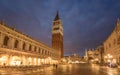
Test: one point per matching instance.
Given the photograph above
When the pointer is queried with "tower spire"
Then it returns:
(57, 16)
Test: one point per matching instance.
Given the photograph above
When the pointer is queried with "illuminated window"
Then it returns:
(6, 39)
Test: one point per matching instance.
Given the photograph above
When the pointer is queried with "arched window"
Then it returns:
(16, 44)
(24, 45)
(30, 47)
(48, 53)
(42, 51)
(35, 49)
(45, 52)
(6, 39)
(39, 50)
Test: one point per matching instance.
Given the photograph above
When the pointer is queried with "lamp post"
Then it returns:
(108, 58)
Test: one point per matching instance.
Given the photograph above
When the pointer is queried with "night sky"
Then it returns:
(86, 23)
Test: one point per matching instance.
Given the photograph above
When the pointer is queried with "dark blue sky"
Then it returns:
(86, 23)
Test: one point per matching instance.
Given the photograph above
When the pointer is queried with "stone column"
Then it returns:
(27, 46)
(11, 42)
(1, 39)
(28, 61)
(39, 61)
(9, 59)
(20, 45)
(32, 61)
(36, 61)
(32, 48)
(22, 60)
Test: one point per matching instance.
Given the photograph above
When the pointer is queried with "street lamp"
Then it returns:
(108, 58)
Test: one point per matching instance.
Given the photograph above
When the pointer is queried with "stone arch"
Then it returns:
(6, 41)
(24, 46)
(30, 47)
(16, 44)
(43, 51)
(35, 49)
(38, 50)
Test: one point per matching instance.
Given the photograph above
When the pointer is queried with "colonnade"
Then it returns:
(14, 60)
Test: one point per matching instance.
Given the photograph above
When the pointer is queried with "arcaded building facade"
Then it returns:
(112, 45)
(17, 48)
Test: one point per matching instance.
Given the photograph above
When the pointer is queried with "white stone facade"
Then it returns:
(17, 48)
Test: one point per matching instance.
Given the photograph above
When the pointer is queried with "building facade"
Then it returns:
(89, 54)
(57, 35)
(16, 48)
(75, 58)
(112, 45)
(94, 56)
(99, 54)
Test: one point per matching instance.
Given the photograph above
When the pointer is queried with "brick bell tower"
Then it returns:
(57, 35)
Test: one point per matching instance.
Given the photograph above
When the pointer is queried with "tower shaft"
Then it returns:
(57, 35)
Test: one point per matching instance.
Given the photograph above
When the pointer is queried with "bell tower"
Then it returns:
(57, 35)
